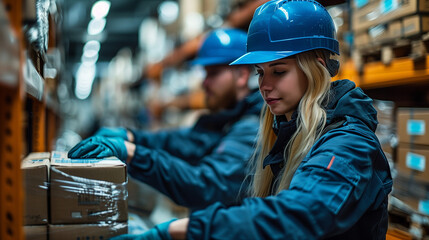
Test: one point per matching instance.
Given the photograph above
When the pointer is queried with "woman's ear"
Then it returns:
(321, 61)
(332, 65)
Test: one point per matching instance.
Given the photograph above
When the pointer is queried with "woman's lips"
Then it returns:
(271, 101)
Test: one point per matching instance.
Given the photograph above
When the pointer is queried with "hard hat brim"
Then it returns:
(209, 61)
(263, 57)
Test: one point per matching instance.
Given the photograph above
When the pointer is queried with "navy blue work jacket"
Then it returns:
(201, 165)
(339, 191)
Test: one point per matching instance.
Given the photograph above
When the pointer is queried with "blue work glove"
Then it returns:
(159, 232)
(100, 147)
(112, 132)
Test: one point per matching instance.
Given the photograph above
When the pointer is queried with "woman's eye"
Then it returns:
(279, 72)
(260, 73)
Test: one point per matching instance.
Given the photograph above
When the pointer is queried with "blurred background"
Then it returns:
(69, 67)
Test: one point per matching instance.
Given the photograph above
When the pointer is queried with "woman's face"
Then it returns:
(282, 85)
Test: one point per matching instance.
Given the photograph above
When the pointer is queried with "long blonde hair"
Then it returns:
(310, 122)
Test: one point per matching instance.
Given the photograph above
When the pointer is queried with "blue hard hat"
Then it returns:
(221, 46)
(282, 28)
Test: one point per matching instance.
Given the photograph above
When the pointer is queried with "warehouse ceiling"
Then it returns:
(121, 29)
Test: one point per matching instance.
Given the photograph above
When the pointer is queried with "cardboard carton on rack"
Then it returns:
(87, 190)
(35, 172)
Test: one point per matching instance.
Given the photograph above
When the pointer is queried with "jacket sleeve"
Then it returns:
(215, 177)
(333, 187)
(184, 143)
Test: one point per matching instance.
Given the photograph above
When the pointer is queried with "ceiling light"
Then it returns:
(168, 12)
(91, 48)
(85, 76)
(96, 26)
(89, 60)
(100, 9)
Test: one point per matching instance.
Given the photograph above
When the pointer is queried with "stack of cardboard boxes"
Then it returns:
(412, 182)
(80, 198)
(380, 21)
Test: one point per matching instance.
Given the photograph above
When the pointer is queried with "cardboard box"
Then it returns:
(415, 25)
(412, 192)
(361, 40)
(412, 124)
(87, 190)
(37, 232)
(87, 231)
(35, 170)
(395, 29)
(412, 161)
(378, 33)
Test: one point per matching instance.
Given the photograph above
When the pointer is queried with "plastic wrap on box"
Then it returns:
(36, 232)
(103, 230)
(87, 190)
(37, 28)
(35, 172)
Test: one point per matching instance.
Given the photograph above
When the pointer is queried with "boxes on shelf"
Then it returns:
(36, 232)
(87, 190)
(87, 231)
(411, 125)
(35, 171)
(383, 11)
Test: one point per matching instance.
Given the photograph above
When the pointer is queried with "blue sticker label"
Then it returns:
(424, 206)
(416, 127)
(388, 5)
(63, 160)
(361, 3)
(37, 160)
(416, 161)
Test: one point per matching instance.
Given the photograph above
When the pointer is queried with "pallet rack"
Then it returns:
(27, 122)
(11, 128)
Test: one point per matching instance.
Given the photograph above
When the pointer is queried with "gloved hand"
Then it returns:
(99, 147)
(159, 232)
(112, 132)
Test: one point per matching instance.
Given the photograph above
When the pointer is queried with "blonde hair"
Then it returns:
(310, 122)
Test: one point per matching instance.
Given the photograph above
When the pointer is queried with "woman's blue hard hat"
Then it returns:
(283, 28)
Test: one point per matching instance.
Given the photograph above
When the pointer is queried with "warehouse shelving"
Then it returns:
(401, 71)
(11, 130)
(28, 115)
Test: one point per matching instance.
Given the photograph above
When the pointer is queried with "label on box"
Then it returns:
(415, 127)
(388, 5)
(361, 3)
(416, 161)
(424, 206)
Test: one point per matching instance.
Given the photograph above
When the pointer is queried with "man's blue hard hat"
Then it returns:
(221, 46)
(283, 28)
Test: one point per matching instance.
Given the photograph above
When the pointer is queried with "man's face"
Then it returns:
(220, 87)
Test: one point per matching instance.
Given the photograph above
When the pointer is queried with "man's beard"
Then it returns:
(218, 102)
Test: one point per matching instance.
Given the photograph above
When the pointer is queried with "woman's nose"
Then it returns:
(265, 84)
